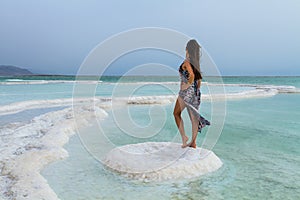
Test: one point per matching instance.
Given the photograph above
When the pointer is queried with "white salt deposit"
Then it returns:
(39, 82)
(105, 102)
(26, 149)
(159, 161)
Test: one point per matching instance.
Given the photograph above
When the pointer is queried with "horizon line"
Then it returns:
(114, 75)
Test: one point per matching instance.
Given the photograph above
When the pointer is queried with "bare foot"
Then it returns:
(184, 141)
(193, 145)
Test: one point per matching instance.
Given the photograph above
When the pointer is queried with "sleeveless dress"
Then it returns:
(192, 98)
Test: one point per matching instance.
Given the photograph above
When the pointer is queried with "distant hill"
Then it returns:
(7, 70)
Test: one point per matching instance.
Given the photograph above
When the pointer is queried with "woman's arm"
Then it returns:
(199, 83)
(187, 66)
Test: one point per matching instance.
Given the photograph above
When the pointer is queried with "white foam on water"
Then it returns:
(26, 149)
(24, 105)
(166, 99)
(33, 104)
(279, 88)
(39, 82)
(14, 80)
(142, 83)
(257, 93)
(160, 161)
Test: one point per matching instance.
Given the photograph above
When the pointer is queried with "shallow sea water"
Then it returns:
(259, 144)
(258, 147)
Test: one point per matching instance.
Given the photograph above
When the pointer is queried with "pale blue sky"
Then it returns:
(249, 37)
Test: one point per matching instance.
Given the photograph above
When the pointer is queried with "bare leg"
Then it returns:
(179, 106)
(195, 123)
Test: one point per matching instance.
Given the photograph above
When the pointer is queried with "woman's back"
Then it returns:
(187, 76)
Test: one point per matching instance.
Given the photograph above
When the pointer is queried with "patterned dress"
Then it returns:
(192, 98)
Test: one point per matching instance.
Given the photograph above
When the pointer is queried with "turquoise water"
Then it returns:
(26, 115)
(13, 93)
(17, 93)
(266, 80)
(259, 145)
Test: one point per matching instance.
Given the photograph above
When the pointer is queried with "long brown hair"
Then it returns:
(193, 49)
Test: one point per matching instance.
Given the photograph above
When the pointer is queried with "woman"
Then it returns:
(189, 94)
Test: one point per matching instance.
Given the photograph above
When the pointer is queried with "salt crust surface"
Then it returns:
(27, 148)
(159, 161)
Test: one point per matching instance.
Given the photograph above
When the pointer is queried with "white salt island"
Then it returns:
(159, 161)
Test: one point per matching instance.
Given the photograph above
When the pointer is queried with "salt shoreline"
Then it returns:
(28, 149)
